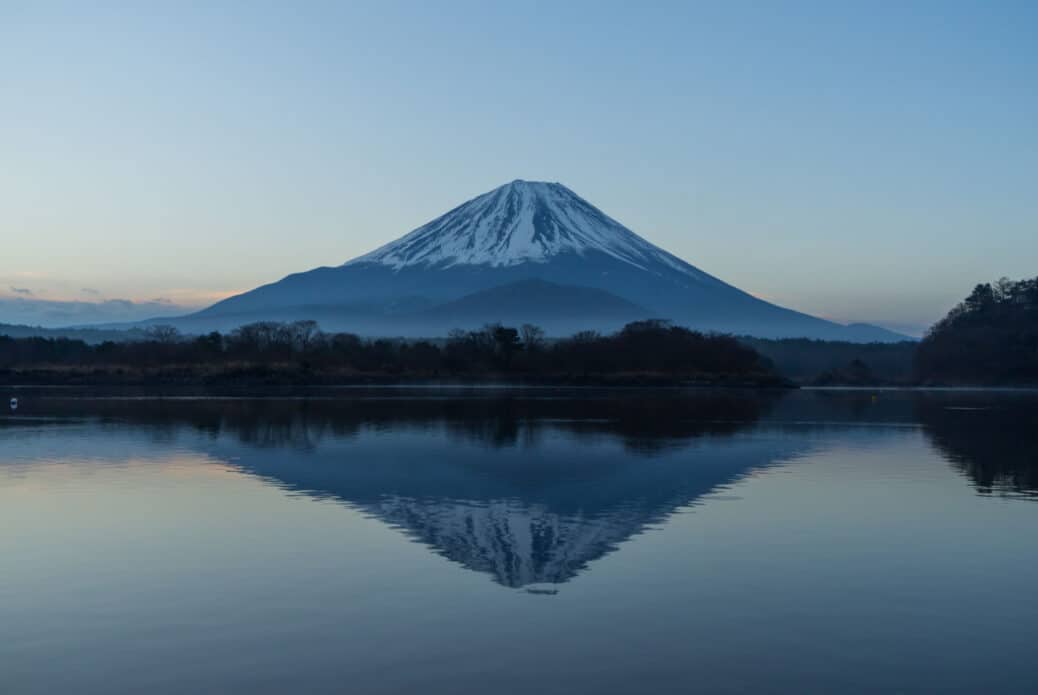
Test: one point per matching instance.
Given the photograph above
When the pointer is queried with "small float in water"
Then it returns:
(14, 404)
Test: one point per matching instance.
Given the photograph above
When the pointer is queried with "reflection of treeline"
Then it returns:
(643, 348)
(652, 421)
(989, 338)
(993, 442)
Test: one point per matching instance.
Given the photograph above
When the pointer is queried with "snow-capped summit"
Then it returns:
(519, 222)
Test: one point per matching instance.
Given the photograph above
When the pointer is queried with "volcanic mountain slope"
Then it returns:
(521, 232)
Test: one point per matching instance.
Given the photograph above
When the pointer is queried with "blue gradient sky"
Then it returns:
(860, 162)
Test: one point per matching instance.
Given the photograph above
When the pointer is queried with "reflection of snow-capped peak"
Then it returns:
(523, 221)
(518, 545)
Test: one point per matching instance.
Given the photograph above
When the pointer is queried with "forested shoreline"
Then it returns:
(643, 352)
(989, 339)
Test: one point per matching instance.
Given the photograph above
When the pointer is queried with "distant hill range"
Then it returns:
(524, 252)
(87, 335)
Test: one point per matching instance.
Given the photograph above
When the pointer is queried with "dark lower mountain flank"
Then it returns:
(556, 308)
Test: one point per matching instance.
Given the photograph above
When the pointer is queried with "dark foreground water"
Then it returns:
(532, 542)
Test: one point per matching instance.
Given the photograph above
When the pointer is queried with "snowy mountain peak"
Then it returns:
(527, 252)
(521, 222)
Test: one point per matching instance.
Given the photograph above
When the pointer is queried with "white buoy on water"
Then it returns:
(14, 404)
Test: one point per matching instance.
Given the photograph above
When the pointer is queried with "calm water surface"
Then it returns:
(520, 542)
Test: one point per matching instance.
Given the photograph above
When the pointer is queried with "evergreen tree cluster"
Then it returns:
(990, 338)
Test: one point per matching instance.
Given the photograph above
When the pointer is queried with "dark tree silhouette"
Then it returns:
(990, 338)
(645, 348)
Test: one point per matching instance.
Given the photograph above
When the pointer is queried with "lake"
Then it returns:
(519, 541)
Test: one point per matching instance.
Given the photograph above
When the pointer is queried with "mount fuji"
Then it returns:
(526, 252)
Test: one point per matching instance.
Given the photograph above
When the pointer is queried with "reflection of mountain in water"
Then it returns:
(529, 489)
(532, 486)
(535, 513)
(517, 544)
(993, 442)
